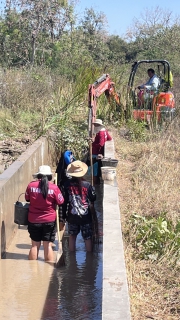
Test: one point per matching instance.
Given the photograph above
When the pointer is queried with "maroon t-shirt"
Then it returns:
(98, 145)
(42, 210)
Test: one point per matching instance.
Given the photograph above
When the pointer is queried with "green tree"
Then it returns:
(94, 32)
(42, 20)
(118, 49)
(149, 33)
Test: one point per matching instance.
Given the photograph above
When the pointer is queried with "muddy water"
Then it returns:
(75, 291)
(23, 283)
(34, 290)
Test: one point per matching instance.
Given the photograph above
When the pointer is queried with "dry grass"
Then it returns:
(148, 180)
(36, 100)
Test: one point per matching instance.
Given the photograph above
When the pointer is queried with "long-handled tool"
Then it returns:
(90, 131)
(91, 161)
(95, 224)
(60, 261)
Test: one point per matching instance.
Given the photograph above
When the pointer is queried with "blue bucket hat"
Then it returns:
(68, 157)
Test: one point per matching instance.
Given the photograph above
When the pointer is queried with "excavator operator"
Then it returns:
(148, 89)
(153, 83)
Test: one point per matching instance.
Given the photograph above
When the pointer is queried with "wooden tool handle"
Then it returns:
(57, 215)
(91, 161)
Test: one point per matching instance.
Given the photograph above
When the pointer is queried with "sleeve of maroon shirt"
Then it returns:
(27, 197)
(59, 196)
(108, 136)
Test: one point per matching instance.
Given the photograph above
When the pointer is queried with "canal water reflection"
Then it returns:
(75, 291)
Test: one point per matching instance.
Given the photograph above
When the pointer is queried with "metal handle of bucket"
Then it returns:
(19, 197)
(108, 159)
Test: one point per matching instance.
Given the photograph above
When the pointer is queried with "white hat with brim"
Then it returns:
(44, 170)
(99, 122)
(77, 168)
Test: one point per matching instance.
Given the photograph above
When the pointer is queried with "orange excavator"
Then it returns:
(160, 105)
(105, 85)
(146, 104)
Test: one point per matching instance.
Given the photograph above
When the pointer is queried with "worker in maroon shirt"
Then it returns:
(43, 196)
(102, 135)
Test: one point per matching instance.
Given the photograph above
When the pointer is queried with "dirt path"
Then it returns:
(11, 149)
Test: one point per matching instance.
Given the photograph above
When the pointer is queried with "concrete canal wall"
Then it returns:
(13, 182)
(115, 304)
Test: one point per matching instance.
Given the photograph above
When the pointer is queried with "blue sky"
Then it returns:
(120, 13)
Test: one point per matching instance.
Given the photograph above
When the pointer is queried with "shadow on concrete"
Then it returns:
(3, 239)
(23, 246)
(17, 256)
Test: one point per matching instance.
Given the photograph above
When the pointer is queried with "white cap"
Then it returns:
(44, 170)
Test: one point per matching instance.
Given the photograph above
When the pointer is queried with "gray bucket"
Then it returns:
(108, 162)
(21, 210)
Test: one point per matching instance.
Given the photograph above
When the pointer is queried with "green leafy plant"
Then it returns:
(154, 238)
(137, 130)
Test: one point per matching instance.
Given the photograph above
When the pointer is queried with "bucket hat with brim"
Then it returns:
(99, 122)
(44, 170)
(77, 169)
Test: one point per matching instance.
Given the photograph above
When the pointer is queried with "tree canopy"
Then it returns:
(48, 33)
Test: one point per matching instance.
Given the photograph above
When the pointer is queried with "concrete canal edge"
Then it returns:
(115, 297)
(13, 181)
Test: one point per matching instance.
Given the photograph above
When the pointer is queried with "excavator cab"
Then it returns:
(145, 102)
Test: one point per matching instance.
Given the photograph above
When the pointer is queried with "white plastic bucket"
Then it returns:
(108, 173)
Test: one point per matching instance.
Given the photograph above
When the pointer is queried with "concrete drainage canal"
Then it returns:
(90, 286)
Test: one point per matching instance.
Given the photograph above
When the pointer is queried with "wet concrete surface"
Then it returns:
(23, 283)
(35, 290)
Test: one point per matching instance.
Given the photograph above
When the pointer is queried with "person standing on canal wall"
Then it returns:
(79, 194)
(43, 197)
(101, 136)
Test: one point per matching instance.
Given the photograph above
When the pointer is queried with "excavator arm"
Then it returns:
(102, 85)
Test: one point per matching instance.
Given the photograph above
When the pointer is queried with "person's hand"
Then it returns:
(99, 157)
(90, 139)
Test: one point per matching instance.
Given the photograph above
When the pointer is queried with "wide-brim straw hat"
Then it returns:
(99, 122)
(77, 168)
(44, 170)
